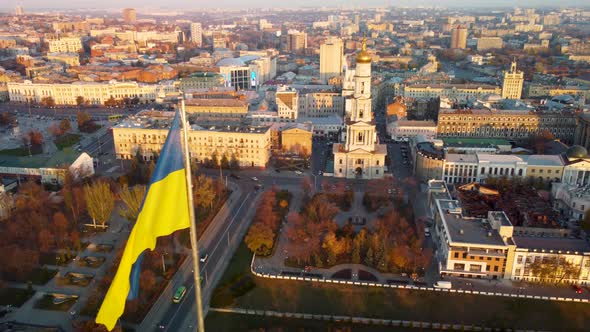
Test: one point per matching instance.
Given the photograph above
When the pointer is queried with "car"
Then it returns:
(426, 231)
(204, 257)
(298, 172)
(254, 178)
(578, 289)
(234, 176)
(277, 170)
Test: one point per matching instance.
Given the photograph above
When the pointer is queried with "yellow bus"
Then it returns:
(115, 117)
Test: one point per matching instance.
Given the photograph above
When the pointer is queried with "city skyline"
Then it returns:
(181, 4)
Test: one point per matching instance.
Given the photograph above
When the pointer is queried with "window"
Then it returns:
(519, 259)
(377, 162)
(457, 256)
(340, 161)
(496, 268)
(464, 255)
(517, 272)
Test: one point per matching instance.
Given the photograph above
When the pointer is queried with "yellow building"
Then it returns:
(65, 45)
(216, 109)
(297, 139)
(460, 92)
(94, 93)
(513, 81)
(69, 59)
(145, 134)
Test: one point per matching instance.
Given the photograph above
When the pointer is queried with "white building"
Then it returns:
(360, 156)
(65, 45)
(513, 81)
(197, 34)
(287, 100)
(51, 169)
(331, 58)
(404, 129)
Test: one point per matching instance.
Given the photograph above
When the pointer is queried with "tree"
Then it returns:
(585, 223)
(224, 161)
(48, 101)
(356, 253)
(147, 280)
(260, 238)
(35, 137)
(79, 100)
(74, 200)
(553, 268)
(132, 197)
(65, 125)
(82, 119)
(45, 240)
(100, 202)
(370, 258)
(233, 162)
(203, 191)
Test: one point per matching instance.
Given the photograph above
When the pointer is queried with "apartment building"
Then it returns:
(65, 45)
(321, 104)
(145, 134)
(216, 109)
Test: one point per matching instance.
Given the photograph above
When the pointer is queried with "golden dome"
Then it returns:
(363, 56)
(397, 108)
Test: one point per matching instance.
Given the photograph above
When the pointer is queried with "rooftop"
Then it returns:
(563, 244)
(474, 142)
(56, 159)
(466, 229)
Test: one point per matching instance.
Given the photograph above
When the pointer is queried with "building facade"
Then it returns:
(145, 134)
(129, 15)
(93, 93)
(216, 110)
(321, 104)
(459, 37)
(513, 81)
(360, 156)
(331, 58)
(65, 45)
(506, 124)
(197, 34)
(458, 92)
(287, 100)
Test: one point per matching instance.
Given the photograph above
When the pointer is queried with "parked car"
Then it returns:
(234, 176)
(254, 178)
(298, 172)
(578, 289)
(427, 232)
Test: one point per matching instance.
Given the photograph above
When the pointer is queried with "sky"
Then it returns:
(195, 4)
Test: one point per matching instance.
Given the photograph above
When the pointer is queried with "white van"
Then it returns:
(443, 284)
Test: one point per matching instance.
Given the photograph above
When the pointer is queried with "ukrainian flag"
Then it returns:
(164, 210)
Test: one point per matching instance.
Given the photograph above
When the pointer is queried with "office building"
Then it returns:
(197, 34)
(321, 104)
(200, 80)
(331, 58)
(145, 134)
(513, 81)
(218, 110)
(459, 37)
(219, 40)
(19, 11)
(129, 15)
(360, 156)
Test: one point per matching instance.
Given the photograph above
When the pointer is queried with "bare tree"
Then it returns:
(100, 202)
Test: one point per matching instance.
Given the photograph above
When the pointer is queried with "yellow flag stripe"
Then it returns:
(165, 210)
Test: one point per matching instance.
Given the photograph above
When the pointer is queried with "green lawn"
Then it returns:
(216, 321)
(14, 296)
(67, 140)
(372, 302)
(21, 152)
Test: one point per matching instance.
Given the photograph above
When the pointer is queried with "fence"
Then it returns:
(411, 287)
(362, 320)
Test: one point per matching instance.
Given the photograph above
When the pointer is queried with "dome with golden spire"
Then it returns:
(363, 56)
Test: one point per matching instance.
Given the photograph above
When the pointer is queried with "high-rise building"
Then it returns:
(19, 11)
(129, 15)
(513, 80)
(197, 34)
(219, 40)
(296, 41)
(360, 156)
(459, 37)
(331, 58)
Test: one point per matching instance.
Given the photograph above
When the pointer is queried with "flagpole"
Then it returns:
(191, 214)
